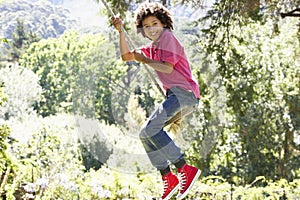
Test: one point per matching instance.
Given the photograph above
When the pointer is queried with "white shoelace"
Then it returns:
(182, 179)
(166, 184)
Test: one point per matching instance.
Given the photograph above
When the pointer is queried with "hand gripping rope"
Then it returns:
(178, 116)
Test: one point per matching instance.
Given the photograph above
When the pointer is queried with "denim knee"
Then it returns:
(149, 130)
(145, 133)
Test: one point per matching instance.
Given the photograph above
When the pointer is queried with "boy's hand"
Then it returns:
(117, 23)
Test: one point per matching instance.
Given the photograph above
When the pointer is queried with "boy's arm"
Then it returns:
(124, 48)
(160, 66)
(164, 67)
(126, 54)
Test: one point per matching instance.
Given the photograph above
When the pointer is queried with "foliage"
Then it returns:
(3, 40)
(7, 166)
(50, 162)
(260, 76)
(22, 91)
(50, 168)
(226, 9)
(214, 187)
(3, 97)
(40, 17)
(120, 7)
(75, 73)
(45, 158)
(21, 40)
(4, 131)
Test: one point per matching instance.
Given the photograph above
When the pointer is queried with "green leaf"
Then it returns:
(3, 40)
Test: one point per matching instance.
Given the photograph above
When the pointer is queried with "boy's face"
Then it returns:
(152, 27)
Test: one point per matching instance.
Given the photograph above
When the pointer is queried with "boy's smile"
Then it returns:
(153, 27)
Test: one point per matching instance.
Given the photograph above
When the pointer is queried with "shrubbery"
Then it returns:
(50, 166)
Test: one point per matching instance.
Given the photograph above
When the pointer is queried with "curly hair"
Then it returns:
(153, 9)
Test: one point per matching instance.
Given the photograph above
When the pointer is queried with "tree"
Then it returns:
(22, 92)
(41, 17)
(246, 8)
(251, 59)
(21, 40)
(76, 74)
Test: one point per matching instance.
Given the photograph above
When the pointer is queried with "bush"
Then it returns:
(22, 91)
(216, 188)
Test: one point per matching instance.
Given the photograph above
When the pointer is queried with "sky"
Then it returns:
(86, 11)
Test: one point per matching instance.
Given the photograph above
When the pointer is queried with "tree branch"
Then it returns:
(291, 14)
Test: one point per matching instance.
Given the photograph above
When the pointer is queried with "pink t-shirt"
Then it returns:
(170, 50)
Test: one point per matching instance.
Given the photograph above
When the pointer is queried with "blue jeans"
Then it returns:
(159, 147)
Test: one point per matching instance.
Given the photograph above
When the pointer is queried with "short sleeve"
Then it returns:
(146, 50)
(171, 49)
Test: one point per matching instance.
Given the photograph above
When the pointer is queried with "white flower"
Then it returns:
(28, 196)
(30, 188)
(42, 182)
(101, 192)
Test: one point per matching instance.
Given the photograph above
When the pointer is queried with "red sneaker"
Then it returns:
(188, 176)
(171, 185)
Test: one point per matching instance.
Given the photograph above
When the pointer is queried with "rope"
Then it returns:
(131, 44)
(184, 112)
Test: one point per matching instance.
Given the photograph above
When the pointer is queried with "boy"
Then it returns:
(166, 56)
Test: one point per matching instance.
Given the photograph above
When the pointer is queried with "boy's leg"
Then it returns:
(158, 145)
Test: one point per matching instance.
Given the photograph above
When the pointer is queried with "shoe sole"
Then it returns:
(181, 196)
(172, 192)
